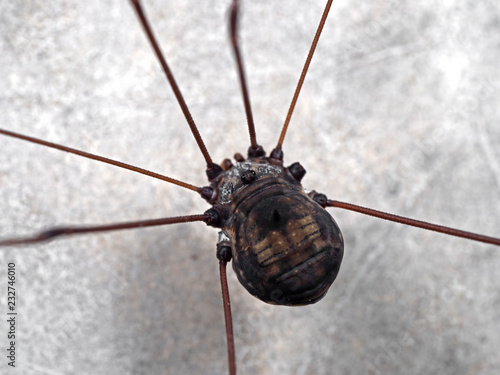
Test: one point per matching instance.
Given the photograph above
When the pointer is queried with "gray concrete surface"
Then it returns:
(400, 112)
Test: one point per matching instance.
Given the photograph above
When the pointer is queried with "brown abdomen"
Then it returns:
(287, 249)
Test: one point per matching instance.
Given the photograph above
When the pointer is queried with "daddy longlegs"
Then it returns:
(101, 304)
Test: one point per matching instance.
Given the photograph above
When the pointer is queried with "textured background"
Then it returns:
(400, 112)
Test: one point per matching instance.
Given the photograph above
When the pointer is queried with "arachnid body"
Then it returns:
(399, 111)
(286, 249)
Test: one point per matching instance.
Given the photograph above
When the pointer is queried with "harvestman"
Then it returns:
(244, 171)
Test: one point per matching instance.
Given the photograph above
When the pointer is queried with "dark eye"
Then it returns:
(248, 176)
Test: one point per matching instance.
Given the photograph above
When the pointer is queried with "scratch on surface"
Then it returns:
(377, 57)
(485, 143)
(356, 278)
(423, 184)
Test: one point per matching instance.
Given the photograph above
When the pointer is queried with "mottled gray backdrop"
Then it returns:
(400, 112)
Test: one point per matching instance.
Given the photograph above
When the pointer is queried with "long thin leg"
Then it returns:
(413, 222)
(227, 314)
(255, 149)
(212, 169)
(277, 153)
(68, 231)
(101, 159)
